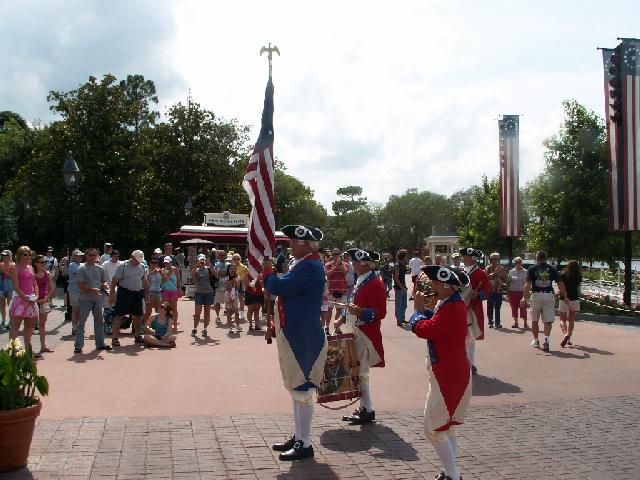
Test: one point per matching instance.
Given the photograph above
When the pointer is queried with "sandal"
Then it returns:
(115, 342)
(138, 339)
(46, 350)
(515, 325)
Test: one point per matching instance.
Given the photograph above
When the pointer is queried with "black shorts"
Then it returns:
(128, 302)
(251, 299)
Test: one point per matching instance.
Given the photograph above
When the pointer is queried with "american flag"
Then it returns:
(258, 183)
(509, 173)
(630, 130)
(616, 175)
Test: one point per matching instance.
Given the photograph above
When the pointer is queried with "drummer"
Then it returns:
(449, 372)
(368, 308)
(302, 344)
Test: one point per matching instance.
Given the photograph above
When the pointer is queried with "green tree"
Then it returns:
(407, 219)
(477, 217)
(295, 203)
(568, 202)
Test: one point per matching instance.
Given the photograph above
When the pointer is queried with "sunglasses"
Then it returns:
(26, 254)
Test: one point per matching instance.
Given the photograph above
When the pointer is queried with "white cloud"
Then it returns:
(387, 96)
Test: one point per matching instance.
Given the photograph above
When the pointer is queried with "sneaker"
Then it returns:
(194, 332)
(36, 328)
(239, 329)
(569, 341)
(545, 346)
(232, 331)
(564, 341)
(535, 343)
(490, 324)
(218, 322)
(204, 333)
(498, 325)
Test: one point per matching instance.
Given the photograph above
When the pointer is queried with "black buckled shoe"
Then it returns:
(350, 418)
(363, 417)
(283, 447)
(297, 452)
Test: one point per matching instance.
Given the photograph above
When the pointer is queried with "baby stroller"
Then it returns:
(109, 314)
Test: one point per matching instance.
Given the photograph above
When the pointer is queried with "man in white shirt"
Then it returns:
(109, 268)
(50, 262)
(108, 251)
(414, 265)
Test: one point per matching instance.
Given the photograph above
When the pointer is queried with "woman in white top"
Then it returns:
(516, 280)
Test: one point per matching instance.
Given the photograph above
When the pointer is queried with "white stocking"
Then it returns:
(296, 421)
(305, 417)
(448, 458)
(453, 440)
(471, 352)
(365, 399)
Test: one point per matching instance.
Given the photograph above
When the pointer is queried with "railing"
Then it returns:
(614, 289)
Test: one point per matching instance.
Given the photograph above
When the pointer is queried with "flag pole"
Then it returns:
(270, 332)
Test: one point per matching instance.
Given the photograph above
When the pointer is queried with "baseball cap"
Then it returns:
(107, 245)
(167, 259)
(157, 250)
(49, 249)
(6, 252)
(138, 255)
(199, 257)
(77, 252)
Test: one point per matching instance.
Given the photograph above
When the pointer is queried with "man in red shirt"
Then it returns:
(336, 271)
(449, 393)
(366, 311)
(473, 295)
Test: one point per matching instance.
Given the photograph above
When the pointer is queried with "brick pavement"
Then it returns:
(581, 439)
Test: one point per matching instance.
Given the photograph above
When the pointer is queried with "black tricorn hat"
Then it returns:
(471, 252)
(444, 274)
(301, 232)
(363, 255)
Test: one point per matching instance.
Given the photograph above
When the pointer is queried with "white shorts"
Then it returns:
(574, 306)
(543, 304)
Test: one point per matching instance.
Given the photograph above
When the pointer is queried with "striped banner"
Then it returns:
(508, 133)
(630, 130)
(616, 175)
(258, 183)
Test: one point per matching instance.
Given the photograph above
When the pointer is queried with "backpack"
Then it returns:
(214, 281)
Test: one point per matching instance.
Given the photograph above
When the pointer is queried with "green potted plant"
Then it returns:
(19, 403)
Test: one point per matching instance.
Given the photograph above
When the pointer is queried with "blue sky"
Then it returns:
(384, 95)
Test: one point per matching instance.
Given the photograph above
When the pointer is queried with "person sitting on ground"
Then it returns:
(157, 327)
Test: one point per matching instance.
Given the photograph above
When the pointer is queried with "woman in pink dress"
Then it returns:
(23, 306)
(46, 289)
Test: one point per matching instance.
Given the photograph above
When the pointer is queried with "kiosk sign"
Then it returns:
(226, 219)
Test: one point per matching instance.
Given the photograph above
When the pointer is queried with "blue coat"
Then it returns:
(302, 344)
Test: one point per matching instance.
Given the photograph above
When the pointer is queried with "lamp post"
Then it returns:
(188, 206)
(71, 174)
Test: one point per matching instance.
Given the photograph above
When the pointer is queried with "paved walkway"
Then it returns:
(212, 407)
(585, 439)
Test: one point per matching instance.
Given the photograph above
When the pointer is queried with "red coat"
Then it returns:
(479, 283)
(450, 384)
(371, 296)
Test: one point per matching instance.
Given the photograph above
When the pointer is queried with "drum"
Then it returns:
(341, 379)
